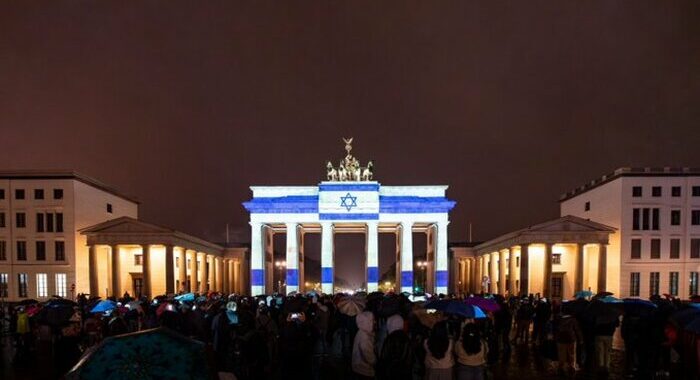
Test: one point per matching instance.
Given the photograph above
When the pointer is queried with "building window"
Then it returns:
(41, 286)
(19, 193)
(40, 250)
(22, 285)
(38, 193)
(645, 219)
(673, 284)
(2, 220)
(20, 220)
(39, 222)
(693, 291)
(587, 206)
(49, 222)
(635, 219)
(676, 191)
(675, 249)
(2, 193)
(675, 217)
(60, 249)
(3, 285)
(653, 284)
(3, 250)
(57, 193)
(21, 251)
(138, 259)
(636, 191)
(634, 284)
(59, 222)
(695, 217)
(696, 191)
(694, 248)
(655, 248)
(61, 288)
(656, 191)
(556, 258)
(109, 208)
(655, 219)
(636, 248)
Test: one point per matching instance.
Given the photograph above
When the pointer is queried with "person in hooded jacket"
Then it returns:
(364, 357)
(397, 358)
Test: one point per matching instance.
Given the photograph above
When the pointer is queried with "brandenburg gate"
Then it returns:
(349, 201)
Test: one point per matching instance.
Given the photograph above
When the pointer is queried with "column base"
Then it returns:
(327, 288)
(257, 290)
(441, 289)
(407, 289)
(292, 288)
(372, 287)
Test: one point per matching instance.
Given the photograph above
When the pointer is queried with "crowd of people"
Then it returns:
(384, 336)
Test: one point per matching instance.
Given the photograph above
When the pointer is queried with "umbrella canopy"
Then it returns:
(351, 306)
(603, 294)
(55, 314)
(575, 307)
(685, 316)
(604, 312)
(456, 307)
(486, 304)
(693, 326)
(151, 354)
(610, 299)
(104, 306)
(60, 302)
(32, 310)
(583, 294)
(427, 319)
(638, 307)
(695, 305)
(187, 297)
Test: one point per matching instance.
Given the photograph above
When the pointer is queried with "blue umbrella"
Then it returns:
(693, 326)
(610, 299)
(104, 306)
(456, 307)
(187, 297)
(685, 316)
(638, 307)
(583, 294)
(695, 305)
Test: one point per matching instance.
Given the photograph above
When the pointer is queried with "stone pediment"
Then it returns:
(570, 223)
(126, 225)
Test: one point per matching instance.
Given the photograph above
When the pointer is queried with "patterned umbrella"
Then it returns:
(351, 306)
(486, 304)
(151, 354)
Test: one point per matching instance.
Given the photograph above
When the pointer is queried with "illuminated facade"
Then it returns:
(349, 202)
(42, 252)
(656, 214)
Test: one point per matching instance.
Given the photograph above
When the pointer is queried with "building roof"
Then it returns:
(631, 172)
(128, 229)
(556, 230)
(64, 174)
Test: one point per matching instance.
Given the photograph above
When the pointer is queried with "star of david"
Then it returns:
(348, 201)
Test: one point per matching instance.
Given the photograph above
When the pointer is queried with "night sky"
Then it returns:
(184, 105)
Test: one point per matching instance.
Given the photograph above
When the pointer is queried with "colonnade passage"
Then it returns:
(263, 265)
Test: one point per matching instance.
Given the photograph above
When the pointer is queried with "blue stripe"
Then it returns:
(407, 278)
(257, 277)
(414, 205)
(332, 216)
(372, 274)
(326, 275)
(441, 278)
(348, 187)
(292, 277)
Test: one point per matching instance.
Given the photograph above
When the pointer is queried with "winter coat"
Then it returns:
(396, 359)
(363, 355)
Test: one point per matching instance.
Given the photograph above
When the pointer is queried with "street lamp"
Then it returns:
(423, 265)
(281, 265)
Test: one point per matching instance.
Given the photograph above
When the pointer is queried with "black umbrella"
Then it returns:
(603, 312)
(638, 308)
(55, 315)
(575, 307)
(60, 302)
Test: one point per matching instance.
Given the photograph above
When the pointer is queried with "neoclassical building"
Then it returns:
(555, 259)
(129, 255)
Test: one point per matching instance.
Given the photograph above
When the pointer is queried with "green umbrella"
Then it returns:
(149, 354)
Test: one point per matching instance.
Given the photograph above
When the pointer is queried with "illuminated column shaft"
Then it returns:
(257, 263)
(502, 271)
(441, 276)
(407, 257)
(182, 270)
(327, 258)
(292, 258)
(372, 257)
(193, 272)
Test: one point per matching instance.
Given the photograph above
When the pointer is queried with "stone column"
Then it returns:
(372, 247)
(441, 274)
(511, 271)
(257, 260)
(547, 271)
(146, 269)
(92, 263)
(219, 275)
(182, 270)
(116, 276)
(225, 284)
(234, 276)
(169, 270)
(193, 273)
(578, 270)
(502, 261)
(602, 267)
(211, 272)
(407, 257)
(202, 258)
(292, 258)
(524, 269)
(327, 257)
